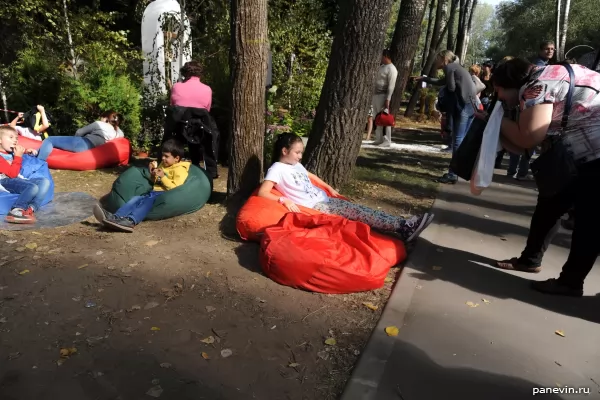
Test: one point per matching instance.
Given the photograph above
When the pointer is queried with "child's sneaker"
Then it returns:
(101, 214)
(122, 224)
(413, 227)
(20, 216)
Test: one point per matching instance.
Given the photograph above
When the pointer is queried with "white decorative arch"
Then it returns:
(155, 16)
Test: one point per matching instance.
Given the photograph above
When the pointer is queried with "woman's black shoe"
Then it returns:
(447, 179)
(553, 286)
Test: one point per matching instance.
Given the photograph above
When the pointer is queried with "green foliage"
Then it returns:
(525, 23)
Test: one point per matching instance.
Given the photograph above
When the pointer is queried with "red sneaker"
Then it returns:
(20, 216)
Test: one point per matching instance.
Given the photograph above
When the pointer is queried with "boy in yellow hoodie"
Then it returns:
(171, 172)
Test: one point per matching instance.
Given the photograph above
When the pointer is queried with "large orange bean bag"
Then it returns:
(113, 153)
(259, 213)
(327, 254)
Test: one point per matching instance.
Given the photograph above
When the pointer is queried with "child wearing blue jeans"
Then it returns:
(31, 191)
(171, 173)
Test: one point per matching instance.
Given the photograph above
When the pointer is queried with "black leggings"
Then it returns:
(584, 196)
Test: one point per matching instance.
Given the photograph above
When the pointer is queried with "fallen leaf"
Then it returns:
(330, 341)
(82, 266)
(471, 304)
(208, 274)
(20, 249)
(392, 330)
(206, 356)
(208, 340)
(31, 246)
(36, 233)
(165, 365)
(486, 216)
(11, 241)
(560, 333)
(436, 268)
(3, 320)
(67, 352)
(15, 355)
(151, 243)
(226, 353)
(323, 355)
(388, 280)
(370, 306)
(155, 329)
(293, 365)
(486, 301)
(210, 309)
(25, 271)
(99, 252)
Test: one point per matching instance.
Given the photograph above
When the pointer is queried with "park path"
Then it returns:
(504, 344)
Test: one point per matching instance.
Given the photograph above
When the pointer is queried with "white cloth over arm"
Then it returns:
(490, 145)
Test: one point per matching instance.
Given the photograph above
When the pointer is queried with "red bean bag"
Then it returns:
(327, 254)
(259, 213)
(113, 153)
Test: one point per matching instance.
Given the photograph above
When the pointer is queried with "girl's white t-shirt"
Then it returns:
(28, 133)
(293, 183)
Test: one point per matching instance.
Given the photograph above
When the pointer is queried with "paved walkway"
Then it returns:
(497, 350)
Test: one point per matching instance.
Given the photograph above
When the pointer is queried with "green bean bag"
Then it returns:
(185, 199)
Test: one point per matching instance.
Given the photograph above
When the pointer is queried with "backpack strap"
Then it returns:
(569, 99)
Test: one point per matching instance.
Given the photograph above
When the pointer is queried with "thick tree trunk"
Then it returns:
(404, 45)
(463, 54)
(463, 27)
(558, 27)
(248, 63)
(563, 30)
(451, 43)
(437, 39)
(337, 130)
(428, 34)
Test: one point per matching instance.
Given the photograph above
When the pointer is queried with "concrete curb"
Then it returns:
(364, 382)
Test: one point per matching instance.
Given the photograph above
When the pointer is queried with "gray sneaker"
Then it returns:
(414, 226)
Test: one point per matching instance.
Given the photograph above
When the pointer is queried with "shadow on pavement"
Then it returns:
(417, 376)
(466, 269)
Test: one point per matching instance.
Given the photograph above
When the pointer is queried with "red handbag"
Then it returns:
(383, 119)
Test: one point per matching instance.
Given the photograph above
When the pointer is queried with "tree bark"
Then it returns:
(437, 39)
(428, 34)
(451, 44)
(465, 11)
(463, 55)
(70, 39)
(248, 63)
(558, 27)
(563, 30)
(404, 45)
(336, 135)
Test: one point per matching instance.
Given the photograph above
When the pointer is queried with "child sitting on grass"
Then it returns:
(32, 192)
(171, 173)
(292, 180)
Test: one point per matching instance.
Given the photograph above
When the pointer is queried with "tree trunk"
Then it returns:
(451, 44)
(428, 34)
(563, 31)
(437, 39)
(336, 135)
(465, 11)
(557, 37)
(248, 63)
(404, 45)
(4, 103)
(70, 39)
(463, 55)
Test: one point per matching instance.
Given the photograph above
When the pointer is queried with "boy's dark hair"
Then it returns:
(546, 43)
(387, 53)
(512, 74)
(284, 141)
(173, 146)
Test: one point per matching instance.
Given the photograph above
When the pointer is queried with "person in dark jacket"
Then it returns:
(197, 128)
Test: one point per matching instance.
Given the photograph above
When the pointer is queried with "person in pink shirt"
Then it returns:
(191, 92)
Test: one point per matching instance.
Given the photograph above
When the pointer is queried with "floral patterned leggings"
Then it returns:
(356, 212)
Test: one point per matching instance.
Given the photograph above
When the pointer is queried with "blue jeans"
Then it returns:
(32, 192)
(461, 120)
(518, 161)
(138, 207)
(74, 144)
